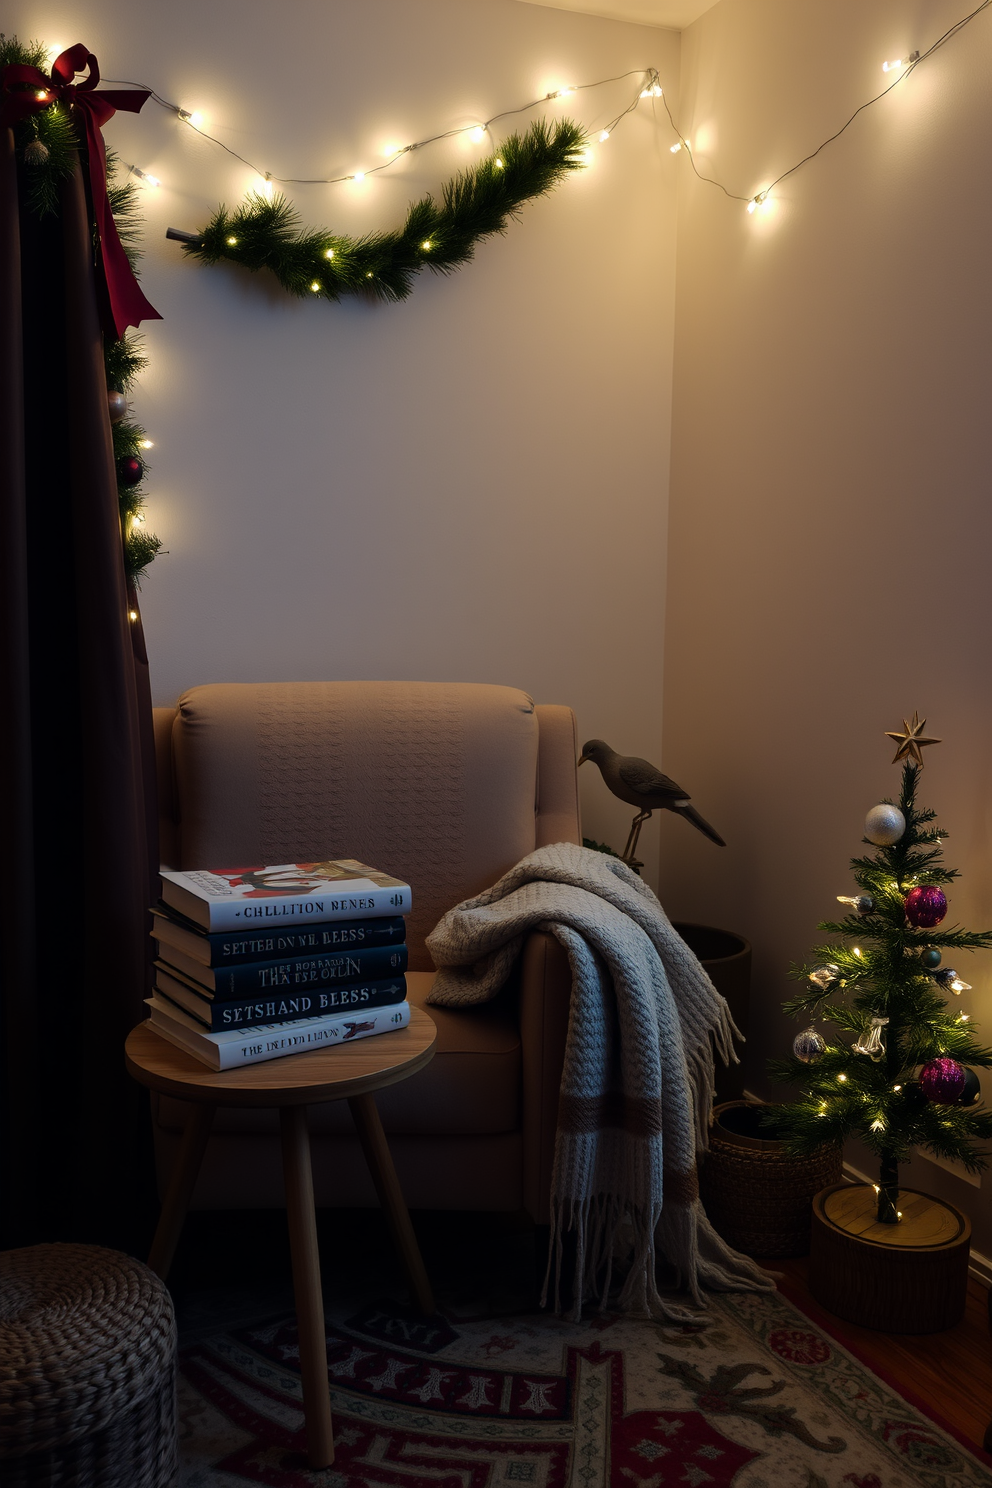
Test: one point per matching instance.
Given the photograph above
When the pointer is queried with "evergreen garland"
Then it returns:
(880, 974)
(44, 170)
(439, 235)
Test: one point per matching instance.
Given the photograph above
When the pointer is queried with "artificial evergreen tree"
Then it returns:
(900, 1080)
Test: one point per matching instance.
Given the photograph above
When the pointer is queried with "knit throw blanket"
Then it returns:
(637, 1086)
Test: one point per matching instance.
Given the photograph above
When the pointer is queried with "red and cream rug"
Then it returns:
(754, 1395)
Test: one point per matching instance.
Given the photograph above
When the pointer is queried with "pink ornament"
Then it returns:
(925, 906)
(942, 1081)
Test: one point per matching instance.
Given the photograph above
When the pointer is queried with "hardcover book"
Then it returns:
(233, 1048)
(173, 929)
(259, 898)
(276, 1007)
(293, 974)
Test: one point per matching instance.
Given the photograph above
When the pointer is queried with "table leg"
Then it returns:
(306, 1284)
(380, 1161)
(181, 1183)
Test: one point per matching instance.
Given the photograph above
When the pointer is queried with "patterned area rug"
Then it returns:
(753, 1395)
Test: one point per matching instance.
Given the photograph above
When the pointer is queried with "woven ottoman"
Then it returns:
(87, 1370)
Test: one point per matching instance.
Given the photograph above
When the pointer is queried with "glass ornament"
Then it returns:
(925, 906)
(871, 1041)
(942, 1081)
(949, 981)
(809, 1046)
(930, 958)
(884, 825)
(824, 976)
(862, 904)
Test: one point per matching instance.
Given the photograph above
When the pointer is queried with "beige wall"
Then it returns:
(831, 527)
(468, 486)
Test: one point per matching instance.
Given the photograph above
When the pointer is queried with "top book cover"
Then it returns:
(284, 894)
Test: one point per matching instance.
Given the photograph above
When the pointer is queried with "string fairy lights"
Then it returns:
(902, 67)
(650, 87)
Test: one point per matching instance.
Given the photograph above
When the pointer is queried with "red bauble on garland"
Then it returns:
(129, 472)
(942, 1081)
(925, 906)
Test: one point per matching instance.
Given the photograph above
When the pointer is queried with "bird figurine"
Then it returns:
(641, 784)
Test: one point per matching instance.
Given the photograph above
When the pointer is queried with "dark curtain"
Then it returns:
(78, 842)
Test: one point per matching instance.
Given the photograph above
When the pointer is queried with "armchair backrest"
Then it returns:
(444, 784)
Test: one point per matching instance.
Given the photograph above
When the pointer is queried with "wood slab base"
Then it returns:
(910, 1277)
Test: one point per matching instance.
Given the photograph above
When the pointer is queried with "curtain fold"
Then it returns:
(77, 817)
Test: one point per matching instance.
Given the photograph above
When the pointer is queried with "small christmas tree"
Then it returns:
(901, 1081)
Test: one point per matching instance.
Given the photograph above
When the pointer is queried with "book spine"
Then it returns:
(306, 973)
(274, 1044)
(256, 914)
(330, 1002)
(315, 940)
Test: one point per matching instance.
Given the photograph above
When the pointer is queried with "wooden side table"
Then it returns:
(351, 1072)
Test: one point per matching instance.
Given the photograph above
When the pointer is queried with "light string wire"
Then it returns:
(651, 89)
(905, 68)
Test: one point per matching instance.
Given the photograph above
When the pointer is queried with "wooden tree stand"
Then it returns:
(910, 1277)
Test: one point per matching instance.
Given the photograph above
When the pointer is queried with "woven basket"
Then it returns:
(758, 1198)
(87, 1370)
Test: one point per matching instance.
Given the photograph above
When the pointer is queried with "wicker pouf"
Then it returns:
(87, 1370)
(758, 1198)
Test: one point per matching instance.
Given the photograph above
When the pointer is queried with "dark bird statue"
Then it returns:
(639, 783)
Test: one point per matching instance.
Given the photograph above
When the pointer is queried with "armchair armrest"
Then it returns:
(545, 992)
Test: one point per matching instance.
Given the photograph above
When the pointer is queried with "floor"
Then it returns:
(949, 1372)
(233, 1269)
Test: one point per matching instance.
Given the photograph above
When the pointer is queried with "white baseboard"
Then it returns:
(980, 1266)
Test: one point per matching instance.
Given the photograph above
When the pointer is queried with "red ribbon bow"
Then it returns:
(25, 91)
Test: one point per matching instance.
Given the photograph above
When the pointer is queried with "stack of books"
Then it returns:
(256, 963)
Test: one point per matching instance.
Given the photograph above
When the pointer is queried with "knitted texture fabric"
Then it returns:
(637, 1084)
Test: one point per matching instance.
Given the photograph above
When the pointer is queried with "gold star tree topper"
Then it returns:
(912, 742)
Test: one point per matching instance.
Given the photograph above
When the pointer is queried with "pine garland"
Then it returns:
(439, 235)
(877, 972)
(44, 172)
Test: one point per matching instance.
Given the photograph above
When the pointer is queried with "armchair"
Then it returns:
(446, 785)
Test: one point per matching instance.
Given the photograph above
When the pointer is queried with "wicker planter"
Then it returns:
(87, 1371)
(726, 957)
(758, 1198)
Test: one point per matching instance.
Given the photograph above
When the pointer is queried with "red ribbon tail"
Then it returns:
(125, 304)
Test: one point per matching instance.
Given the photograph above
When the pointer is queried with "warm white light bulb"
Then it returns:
(266, 188)
(358, 176)
(604, 135)
(676, 148)
(477, 135)
(878, 1124)
(842, 1078)
(41, 97)
(316, 286)
(132, 614)
(752, 204)
(328, 252)
(892, 66)
(232, 242)
(152, 180)
(427, 245)
(137, 520)
(392, 150)
(146, 444)
(498, 163)
(564, 93)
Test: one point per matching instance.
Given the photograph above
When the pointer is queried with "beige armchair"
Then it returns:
(446, 785)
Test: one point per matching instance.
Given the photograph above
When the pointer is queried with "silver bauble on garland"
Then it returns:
(809, 1046)
(884, 825)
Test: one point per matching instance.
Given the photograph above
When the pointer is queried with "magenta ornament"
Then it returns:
(925, 906)
(942, 1081)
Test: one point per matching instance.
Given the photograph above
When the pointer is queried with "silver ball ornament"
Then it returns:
(884, 825)
(809, 1046)
(36, 152)
(117, 403)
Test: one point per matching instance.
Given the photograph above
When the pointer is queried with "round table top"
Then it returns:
(293, 1080)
